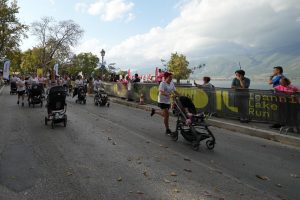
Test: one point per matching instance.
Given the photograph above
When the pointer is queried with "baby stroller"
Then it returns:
(81, 92)
(101, 98)
(13, 88)
(35, 95)
(191, 125)
(56, 106)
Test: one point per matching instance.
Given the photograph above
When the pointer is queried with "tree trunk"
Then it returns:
(178, 81)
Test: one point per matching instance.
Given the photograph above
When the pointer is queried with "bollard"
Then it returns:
(142, 101)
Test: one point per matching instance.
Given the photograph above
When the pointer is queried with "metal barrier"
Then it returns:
(259, 105)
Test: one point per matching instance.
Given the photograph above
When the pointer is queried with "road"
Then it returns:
(123, 153)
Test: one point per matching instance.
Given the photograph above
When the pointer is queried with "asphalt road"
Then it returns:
(123, 153)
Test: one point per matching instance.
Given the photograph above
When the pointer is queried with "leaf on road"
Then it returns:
(176, 191)
(139, 162)
(188, 170)
(187, 159)
(139, 192)
(294, 176)
(279, 185)
(167, 181)
(109, 138)
(205, 193)
(119, 179)
(265, 178)
(148, 142)
(173, 174)
(145, 173)
(114, 143)
(69, 174)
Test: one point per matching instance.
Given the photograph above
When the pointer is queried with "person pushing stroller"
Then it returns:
(166, 89)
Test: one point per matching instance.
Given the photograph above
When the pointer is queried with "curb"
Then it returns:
(241, 129)
(1, 89)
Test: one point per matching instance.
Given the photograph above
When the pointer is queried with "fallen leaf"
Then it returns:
(147, 142)
(167, 181)
(119, 179)
(279, 185)
(186, 159)
(176, 190)
(145, 173)
(205, 193)
(265, 178)
(294, 176)
(139, 162)
(109, 138)
(128, 159)
(114, 143)
(139, 192)
(188, 170)
(173, 174)
(69, 174)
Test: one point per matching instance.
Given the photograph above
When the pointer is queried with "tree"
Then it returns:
(30, 60)
(55, 39)
(15, 58)
(178, 65)
(11, 30)
(87, 62)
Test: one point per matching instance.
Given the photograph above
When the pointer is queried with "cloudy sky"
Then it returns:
(137, 34)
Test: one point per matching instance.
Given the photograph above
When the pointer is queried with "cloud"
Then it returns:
(52, 2)
(81, 7)
(207, 28)
(108, 10)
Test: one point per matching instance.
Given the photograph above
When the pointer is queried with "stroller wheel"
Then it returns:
(195, 146)
(65, 122)
(52, 124)
(76, 101)
(46, 121)
(108, 104)
(174, 136)
(84, 101)
(210, 144)
(41, 104)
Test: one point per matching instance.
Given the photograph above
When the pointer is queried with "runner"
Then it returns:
(97, 84)
(21, 89)
(166, 89)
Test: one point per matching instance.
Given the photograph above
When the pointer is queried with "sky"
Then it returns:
(137, 34)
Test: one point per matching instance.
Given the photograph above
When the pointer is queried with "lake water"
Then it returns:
(262, 85)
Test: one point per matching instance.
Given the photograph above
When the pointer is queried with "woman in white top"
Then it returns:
(97, 84)
(166, 89)
(78, 83)
(21, 89)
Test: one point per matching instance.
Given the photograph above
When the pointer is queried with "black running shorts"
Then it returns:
(21, 93)
(164, 106)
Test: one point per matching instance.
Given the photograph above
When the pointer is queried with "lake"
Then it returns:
(262, 85)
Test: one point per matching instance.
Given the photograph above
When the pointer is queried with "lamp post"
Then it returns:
(102, 63)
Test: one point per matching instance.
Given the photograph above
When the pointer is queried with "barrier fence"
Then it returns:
(258, 105)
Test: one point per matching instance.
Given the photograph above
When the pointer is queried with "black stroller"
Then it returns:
(81, 93)
(13, 88)
(101, 98)
(191, 125)
(35, 95)
(56, 106)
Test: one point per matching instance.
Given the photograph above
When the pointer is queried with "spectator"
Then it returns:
(277, 75)
(286, 86)
(160, 76)
(241, 84)
(206, 83)
(240, 81)
(290, 110)
(136, 79)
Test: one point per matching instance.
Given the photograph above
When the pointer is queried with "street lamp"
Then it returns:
(102, 63)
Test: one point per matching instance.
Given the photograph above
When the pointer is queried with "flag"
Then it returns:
(156, 73)
(55, 68)
(129, 73)
(6, 70)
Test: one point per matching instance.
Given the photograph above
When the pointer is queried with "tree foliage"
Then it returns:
(31, 60)
(11, 30)
(55, 39)
(178, 65)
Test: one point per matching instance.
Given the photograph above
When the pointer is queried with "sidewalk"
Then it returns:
(255, 129)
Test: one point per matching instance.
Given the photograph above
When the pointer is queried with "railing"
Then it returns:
(259, 105)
